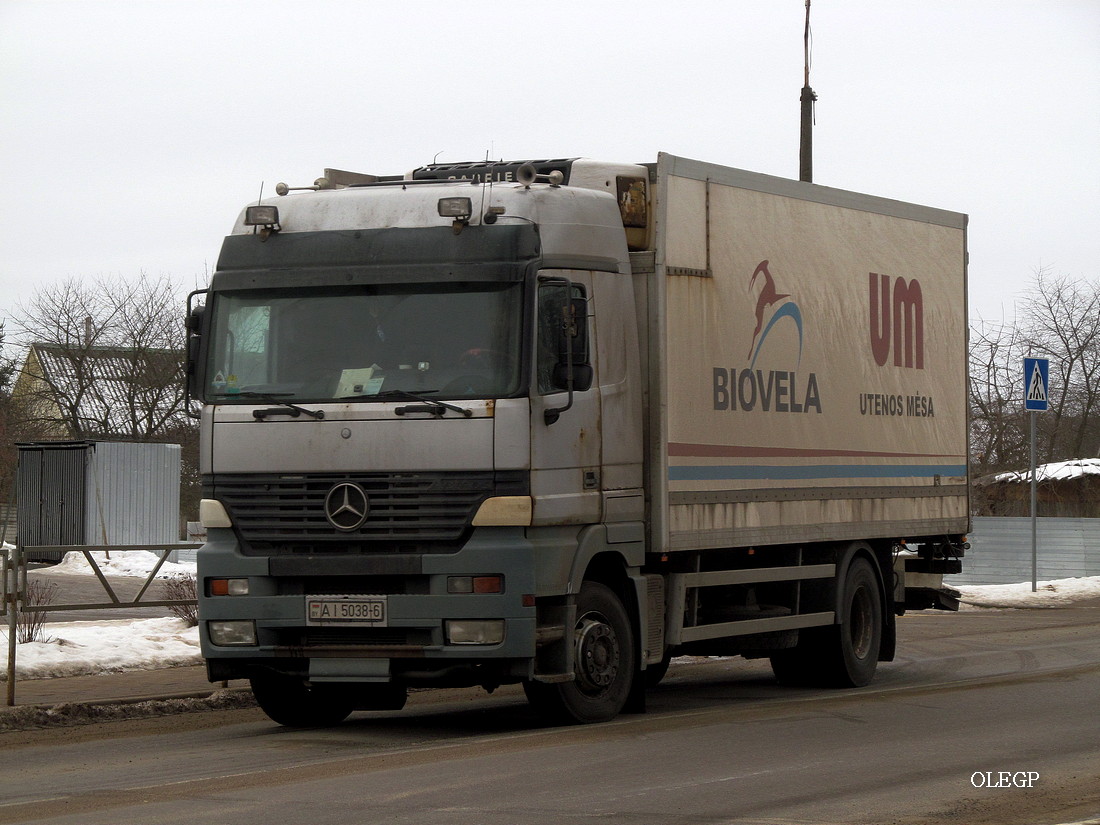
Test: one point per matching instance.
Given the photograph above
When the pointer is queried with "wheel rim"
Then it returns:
(861, 623)
(597, 653)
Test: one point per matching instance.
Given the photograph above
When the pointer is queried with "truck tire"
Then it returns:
(853, 659)
(605, 663)
(292, 703)
(844, 654)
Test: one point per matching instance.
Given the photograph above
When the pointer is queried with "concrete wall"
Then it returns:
(1001, 550)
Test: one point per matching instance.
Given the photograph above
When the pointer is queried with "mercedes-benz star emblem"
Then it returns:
(346, 506)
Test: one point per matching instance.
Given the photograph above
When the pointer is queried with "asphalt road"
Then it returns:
(1002, 700)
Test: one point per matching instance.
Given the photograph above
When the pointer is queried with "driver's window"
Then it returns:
(555, 314)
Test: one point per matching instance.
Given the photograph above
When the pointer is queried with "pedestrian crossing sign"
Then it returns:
(1036, 384)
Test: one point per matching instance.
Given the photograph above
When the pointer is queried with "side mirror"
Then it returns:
(194, 337)
(193, 325)
(194, 319)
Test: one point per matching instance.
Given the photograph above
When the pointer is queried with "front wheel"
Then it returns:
(604, 662)
(293, 703)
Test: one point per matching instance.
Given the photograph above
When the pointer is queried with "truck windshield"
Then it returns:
(328, 344)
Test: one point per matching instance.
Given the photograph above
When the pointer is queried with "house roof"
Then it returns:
(115, 390)
(1057, 471)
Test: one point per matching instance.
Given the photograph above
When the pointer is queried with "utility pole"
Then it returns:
(806, 144)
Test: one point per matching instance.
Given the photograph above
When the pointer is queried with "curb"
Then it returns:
(30, 717)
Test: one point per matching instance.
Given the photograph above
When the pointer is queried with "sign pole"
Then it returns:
(1036, 400)
(1034, 511)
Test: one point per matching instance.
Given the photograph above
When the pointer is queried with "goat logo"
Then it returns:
(771, 307)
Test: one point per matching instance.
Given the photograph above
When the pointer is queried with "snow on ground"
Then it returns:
(117, 563)
(108, 645)
(84, 648)
(1057, 593)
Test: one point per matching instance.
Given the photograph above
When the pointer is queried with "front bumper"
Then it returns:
(413, 645)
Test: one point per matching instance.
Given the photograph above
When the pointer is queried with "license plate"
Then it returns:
(347, 610)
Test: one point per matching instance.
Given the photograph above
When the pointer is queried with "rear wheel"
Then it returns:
(291, 702)
(851, 657)
(604, 665)
(844, 654)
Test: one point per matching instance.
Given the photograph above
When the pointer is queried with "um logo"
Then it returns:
(897, 317)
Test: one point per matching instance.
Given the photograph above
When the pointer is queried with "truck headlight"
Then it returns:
(232, 634)
(475, 631)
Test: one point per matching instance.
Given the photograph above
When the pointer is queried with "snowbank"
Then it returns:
(1057, 593)
(85, 648)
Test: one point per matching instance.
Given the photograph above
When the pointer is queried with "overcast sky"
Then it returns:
(133, 132)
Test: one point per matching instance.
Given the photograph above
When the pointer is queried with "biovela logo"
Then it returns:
(779, 327)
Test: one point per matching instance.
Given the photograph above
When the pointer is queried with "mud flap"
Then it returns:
(635, 702)
(888, 646)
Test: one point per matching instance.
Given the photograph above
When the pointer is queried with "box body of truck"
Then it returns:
(553, 423)
(809, 348)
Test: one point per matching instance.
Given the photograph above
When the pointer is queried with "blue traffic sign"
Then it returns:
(1036, 384)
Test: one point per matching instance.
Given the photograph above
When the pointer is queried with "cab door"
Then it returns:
(565, 420)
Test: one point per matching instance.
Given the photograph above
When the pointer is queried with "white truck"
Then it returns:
(553, 422)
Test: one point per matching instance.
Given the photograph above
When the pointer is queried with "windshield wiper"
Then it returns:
(285, 408)
(431, 405)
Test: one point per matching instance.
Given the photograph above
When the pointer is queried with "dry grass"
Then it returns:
(181, 589)
(30, 626)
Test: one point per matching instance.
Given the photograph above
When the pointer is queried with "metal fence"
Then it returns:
(13, 575)
(1000, 551)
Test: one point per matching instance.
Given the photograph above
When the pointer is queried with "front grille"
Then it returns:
(283, 514)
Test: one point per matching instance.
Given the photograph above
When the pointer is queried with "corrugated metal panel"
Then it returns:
(1001, 550)
(98, 493)
(133, 493)
(50, 490)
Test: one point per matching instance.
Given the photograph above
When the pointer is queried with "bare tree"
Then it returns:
(1062, 320)
(106, 360)
(998, 427)
(1058, 318)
